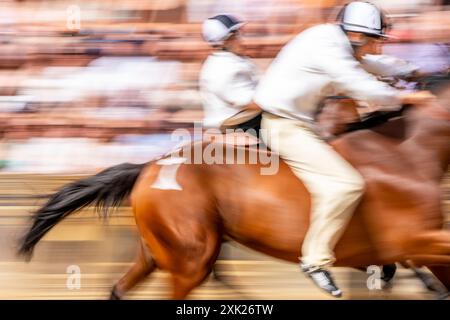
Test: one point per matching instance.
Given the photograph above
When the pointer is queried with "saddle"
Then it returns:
(370, 120)
(237, 139)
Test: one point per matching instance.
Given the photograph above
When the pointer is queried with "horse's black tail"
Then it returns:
(104, 190)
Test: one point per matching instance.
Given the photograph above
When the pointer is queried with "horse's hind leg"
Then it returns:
(191, 277)
(183, 284)
(191, 271)
(143, 266)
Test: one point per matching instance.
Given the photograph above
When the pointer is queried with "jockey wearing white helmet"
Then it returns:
(227, 79)
(363, 17)
(219, 28)
(324, 61)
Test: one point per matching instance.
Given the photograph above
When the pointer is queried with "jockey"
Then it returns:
(228, 79)
(322, 61)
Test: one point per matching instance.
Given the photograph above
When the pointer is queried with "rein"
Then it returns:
(376, 118)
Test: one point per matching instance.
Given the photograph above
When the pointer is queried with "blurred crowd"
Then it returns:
(89, 83)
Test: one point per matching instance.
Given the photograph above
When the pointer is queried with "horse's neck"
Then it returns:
(421, 141)
(428, 146)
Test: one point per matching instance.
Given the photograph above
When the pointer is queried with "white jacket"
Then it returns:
(227, 84)
(317, 63)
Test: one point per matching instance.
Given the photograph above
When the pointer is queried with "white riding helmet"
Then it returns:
(363, 17)
(219, 28)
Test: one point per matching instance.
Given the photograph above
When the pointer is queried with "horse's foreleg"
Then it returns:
(143, 266)
(427, 279)
(443, 274)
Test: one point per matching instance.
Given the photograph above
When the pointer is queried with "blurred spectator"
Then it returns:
(168, 11)
(131, 69)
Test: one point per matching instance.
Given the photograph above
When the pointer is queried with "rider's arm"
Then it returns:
(347, 73)
(388, 66)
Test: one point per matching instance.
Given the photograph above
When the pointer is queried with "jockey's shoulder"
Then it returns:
(225, 55)
(229, 62)
(325, 29)
(322, 33)
(223, 66)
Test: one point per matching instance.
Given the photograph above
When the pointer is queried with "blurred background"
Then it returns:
(91, 83)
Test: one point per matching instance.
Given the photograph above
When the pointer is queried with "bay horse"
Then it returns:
(184, 215)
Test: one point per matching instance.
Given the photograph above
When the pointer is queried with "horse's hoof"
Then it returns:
(443, 295)
(215, 275)
(114, 295)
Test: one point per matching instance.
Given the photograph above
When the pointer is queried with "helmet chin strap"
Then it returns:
(354, 43)
(358, 43)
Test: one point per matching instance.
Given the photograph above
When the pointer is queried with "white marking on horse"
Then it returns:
(167, 177)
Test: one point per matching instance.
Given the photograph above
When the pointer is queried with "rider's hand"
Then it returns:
(419, 97)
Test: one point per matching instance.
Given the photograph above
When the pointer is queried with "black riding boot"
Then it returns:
(388, 272)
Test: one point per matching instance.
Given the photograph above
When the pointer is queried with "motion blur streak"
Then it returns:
(93, 84)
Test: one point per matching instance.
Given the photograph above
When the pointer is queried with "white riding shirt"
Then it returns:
(317, 63)
(227, 84)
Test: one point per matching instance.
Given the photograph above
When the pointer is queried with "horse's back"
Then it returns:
(259, 204)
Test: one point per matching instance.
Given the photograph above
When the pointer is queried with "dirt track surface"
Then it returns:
(103, 251)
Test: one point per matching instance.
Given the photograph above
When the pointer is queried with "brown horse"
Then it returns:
(183, 211)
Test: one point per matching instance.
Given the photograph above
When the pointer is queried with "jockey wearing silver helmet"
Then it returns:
(323, 61)
(228, 79)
